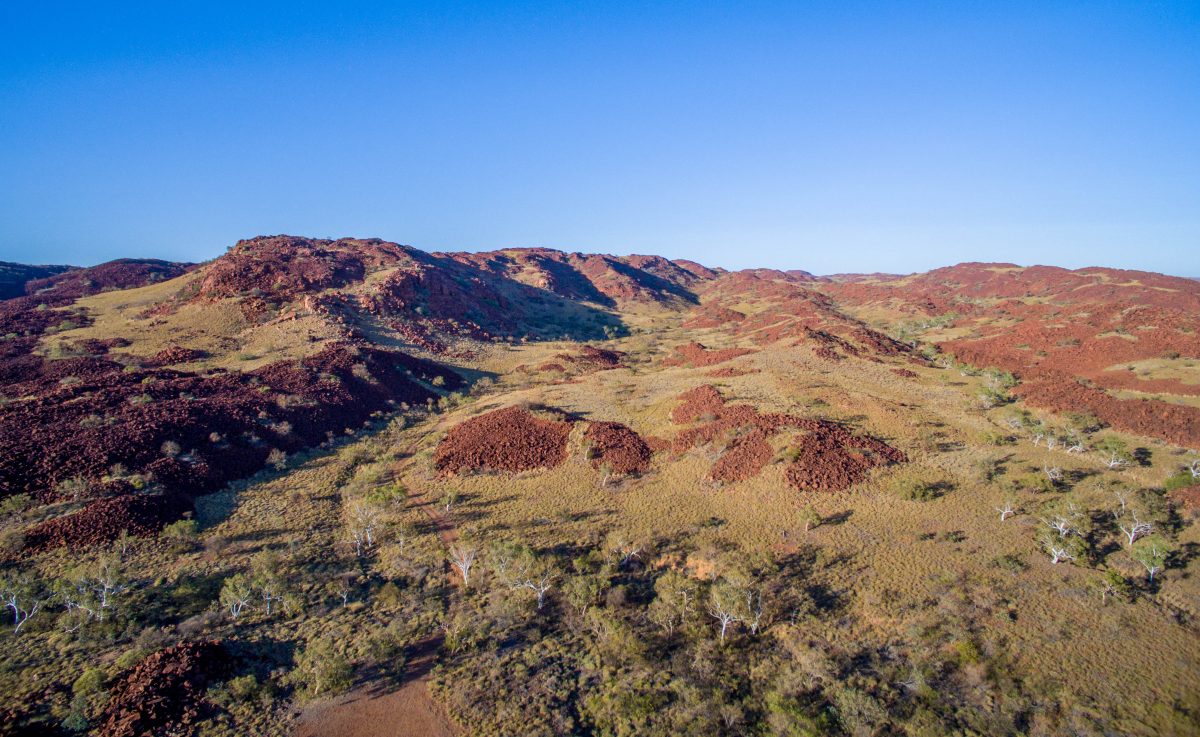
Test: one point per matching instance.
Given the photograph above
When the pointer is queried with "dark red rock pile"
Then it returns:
(104, 519)
(175, 354)
(1177, 423)
(834, 459)
(618, 447)
(904, 373)
(164, 694)
(510, 440)
(827, 457)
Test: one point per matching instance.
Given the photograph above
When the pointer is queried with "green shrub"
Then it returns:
(1180, 480)
(322, 669)
(89, 682)
(182, 533)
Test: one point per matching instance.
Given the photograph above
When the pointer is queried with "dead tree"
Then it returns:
(1007, 510)
(23, 597)
(362, 518)
(725, 605)
(1133, 529)
(462, 557)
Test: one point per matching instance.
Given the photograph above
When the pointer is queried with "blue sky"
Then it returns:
(830, 137)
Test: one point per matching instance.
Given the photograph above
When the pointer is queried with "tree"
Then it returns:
(1152, 553)
(1061, 548)
(1008, 509)
(236, 594)
(1065, 518)
(624, 548)
(320, 667)
(462, 557)
(362, 520)
(582, 591)
(1133, 528)
(725, 604)
(23, 596)
(518, 566)
(450, 500)
(267, 578)
(675, 597)
(810, 517)
(91, 591)
(1114, 453)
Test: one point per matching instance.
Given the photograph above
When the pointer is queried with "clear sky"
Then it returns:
(832, 137)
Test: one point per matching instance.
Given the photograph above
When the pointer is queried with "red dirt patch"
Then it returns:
(510, 440)
(904, 373)
(163, 694)
(696, 354)
(622, 449)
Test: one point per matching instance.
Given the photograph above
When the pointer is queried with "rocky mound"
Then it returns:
(164, 694)
(108, 431)
(744, 458)
(104, 519)
(713, 315)
(508, 440)
(14, 277)
(282, 268)
(1179, 424)
(697, 355)
(175, 354)
(827, 457)
(619, 448)
(834, 459)
(123, 273)
(591, 359)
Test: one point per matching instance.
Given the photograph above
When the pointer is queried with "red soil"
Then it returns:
(163, 694)
(696, 354)
(618, 447)
(551, 366)
(509, 440)
(904, 373)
